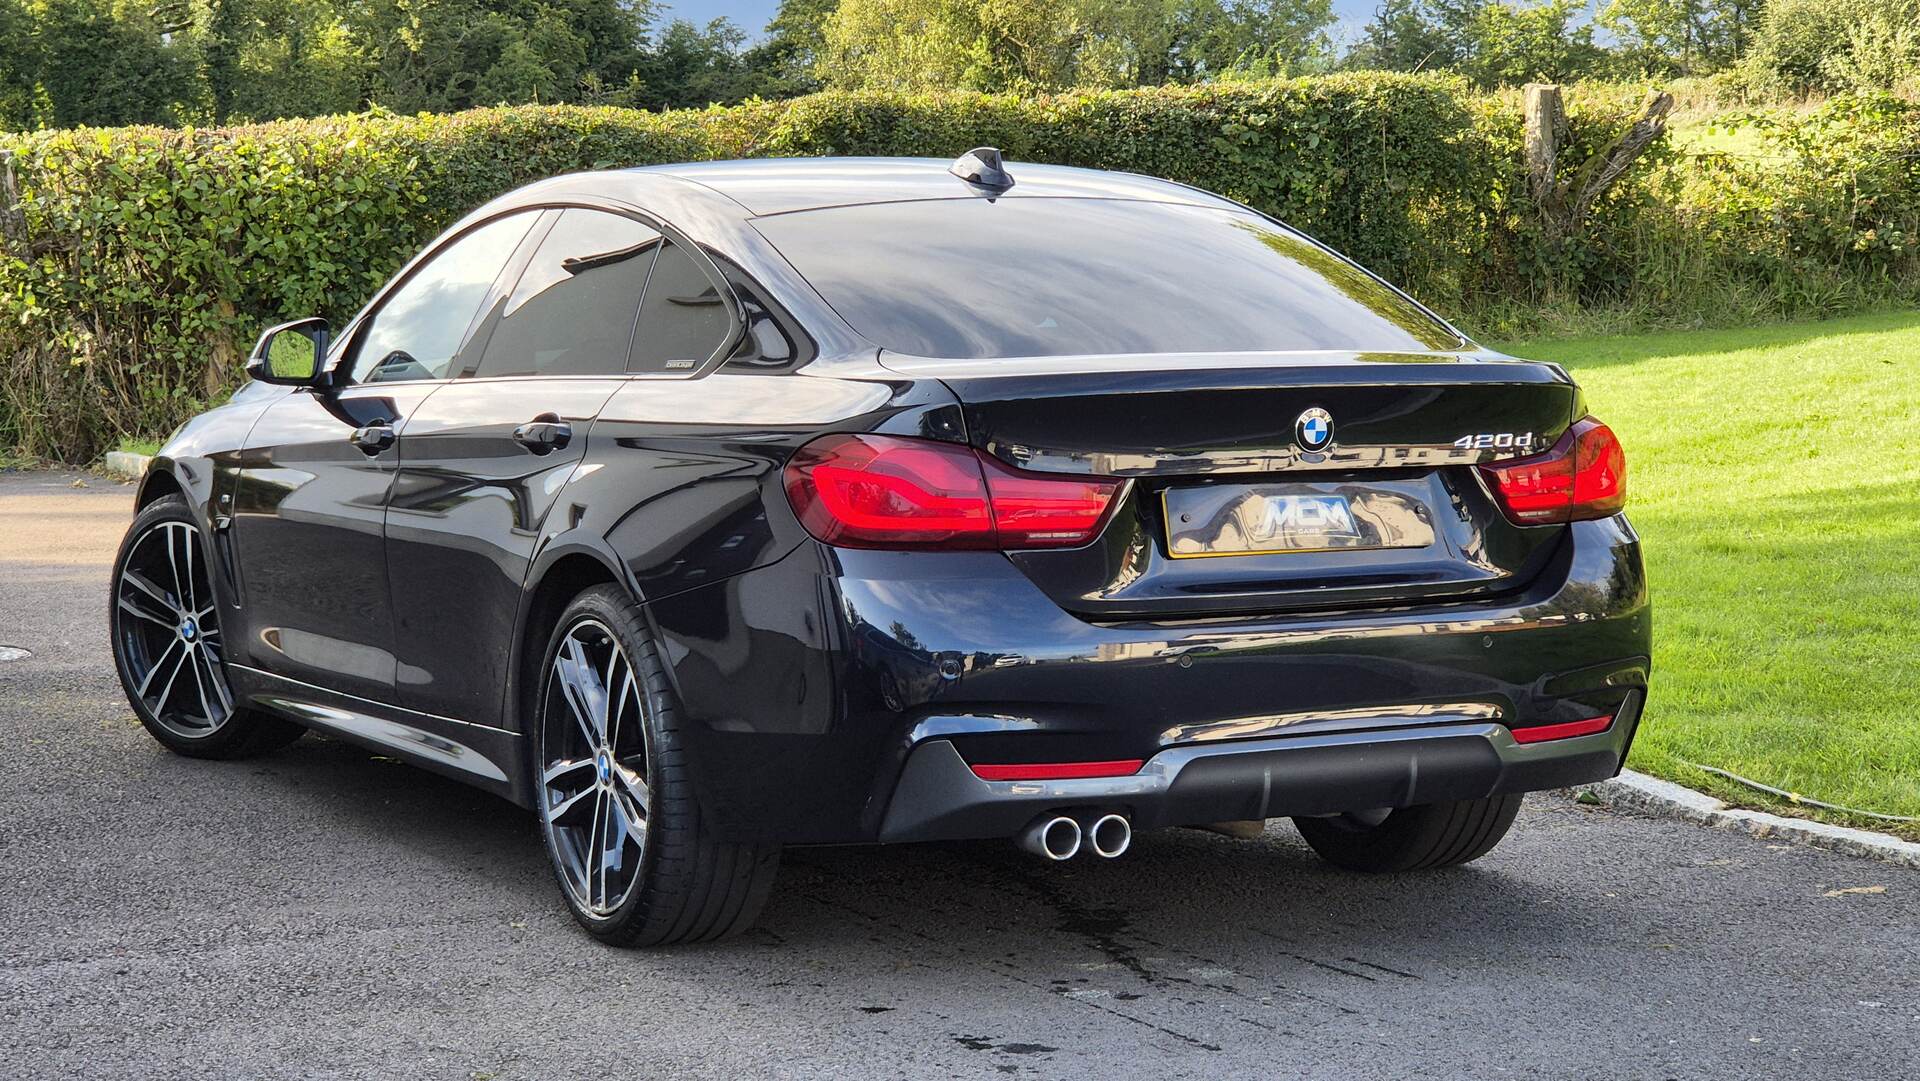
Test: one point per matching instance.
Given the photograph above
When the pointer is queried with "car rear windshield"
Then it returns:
(969, 278)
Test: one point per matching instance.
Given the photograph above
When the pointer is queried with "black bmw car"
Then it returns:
(712, 508)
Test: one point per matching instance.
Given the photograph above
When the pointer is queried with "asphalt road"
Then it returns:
(326, 913)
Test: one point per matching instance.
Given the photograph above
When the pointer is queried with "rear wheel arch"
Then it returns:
(555, 582)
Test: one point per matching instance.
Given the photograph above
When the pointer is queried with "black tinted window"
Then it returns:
(419, 326)
(1060, 277)
(683, 320)
(572, 311)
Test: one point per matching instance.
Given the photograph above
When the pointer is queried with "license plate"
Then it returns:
(1252, 519)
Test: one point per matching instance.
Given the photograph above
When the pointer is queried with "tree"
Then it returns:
(443, 55)
(1405, 36)
(542, 60)
(1421, 35)
(1028, 45)
(1513, 43)
(1493, 42)
(265, 59)
(19, 65)
(222, 28)
(1678, 37)
(688, 66)
(796, 40)
(164, 61)
(102, 65)
(1215, 36)
(934, 44)
(1831, 45)
(299, 59)
(615, 32)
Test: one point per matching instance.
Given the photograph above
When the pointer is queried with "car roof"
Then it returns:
(783, 185)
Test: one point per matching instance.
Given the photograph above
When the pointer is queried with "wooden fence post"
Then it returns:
(1544, 116)
(1565, 204)
(13, 223)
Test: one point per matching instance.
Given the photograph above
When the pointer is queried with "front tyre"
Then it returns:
(1411, 838)
(168, 646)
(615, 796)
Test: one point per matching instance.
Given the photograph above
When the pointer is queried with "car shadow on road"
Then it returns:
(1176, 890)
(1184, 892)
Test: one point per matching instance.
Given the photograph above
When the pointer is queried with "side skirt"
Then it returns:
(487, 758)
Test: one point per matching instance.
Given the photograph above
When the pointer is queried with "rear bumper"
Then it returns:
(840, 696)
(940, 798)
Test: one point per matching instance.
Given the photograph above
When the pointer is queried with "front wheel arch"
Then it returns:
(158, 484)
(241, 731)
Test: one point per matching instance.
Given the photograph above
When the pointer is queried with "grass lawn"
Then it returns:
(1774, 475)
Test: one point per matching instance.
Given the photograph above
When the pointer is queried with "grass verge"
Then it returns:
(1774, 475)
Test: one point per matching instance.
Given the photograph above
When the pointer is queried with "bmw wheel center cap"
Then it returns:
(1314, 429)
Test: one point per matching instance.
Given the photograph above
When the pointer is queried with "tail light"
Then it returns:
(1583, 476)
(881, 491)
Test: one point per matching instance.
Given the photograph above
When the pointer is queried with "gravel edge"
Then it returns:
(122, 464)
(1637, 793)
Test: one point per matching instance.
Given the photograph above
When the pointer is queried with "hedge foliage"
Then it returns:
(138, 263)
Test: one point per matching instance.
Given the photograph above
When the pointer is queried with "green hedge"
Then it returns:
(138, 263)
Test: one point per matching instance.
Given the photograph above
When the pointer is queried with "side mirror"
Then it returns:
(291, 354)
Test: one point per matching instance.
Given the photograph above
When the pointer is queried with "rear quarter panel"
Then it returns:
(680, 493)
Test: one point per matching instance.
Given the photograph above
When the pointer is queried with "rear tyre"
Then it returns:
(168, 646)
(615, 795)
(1411, 838)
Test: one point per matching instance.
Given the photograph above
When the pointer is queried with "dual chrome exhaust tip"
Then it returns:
(1060, 837)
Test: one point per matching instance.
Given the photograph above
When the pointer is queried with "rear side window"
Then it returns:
(420, 325)
(1013, 277)
(684, 318)
(572, 311)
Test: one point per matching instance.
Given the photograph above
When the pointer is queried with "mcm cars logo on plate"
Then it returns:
(1314, 429)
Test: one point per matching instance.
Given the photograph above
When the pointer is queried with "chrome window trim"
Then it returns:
(736, 310)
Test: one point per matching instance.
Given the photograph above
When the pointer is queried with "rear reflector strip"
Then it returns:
(1059, 771)
(1541, 733)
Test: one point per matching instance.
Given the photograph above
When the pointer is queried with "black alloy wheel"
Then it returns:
(1411, 838)
(169, 647)
(593, 786)
(616, 799)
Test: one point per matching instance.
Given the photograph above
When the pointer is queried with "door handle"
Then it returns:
(373, 438)
(544, 434)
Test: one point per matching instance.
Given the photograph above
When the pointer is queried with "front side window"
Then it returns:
(420, 325)
(1014, 277)
(573, 309)
(684, 318)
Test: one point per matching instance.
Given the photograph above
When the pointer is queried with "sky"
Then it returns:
(753, 15)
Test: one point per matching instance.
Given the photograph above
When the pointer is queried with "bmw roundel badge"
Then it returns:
(1314, 429)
